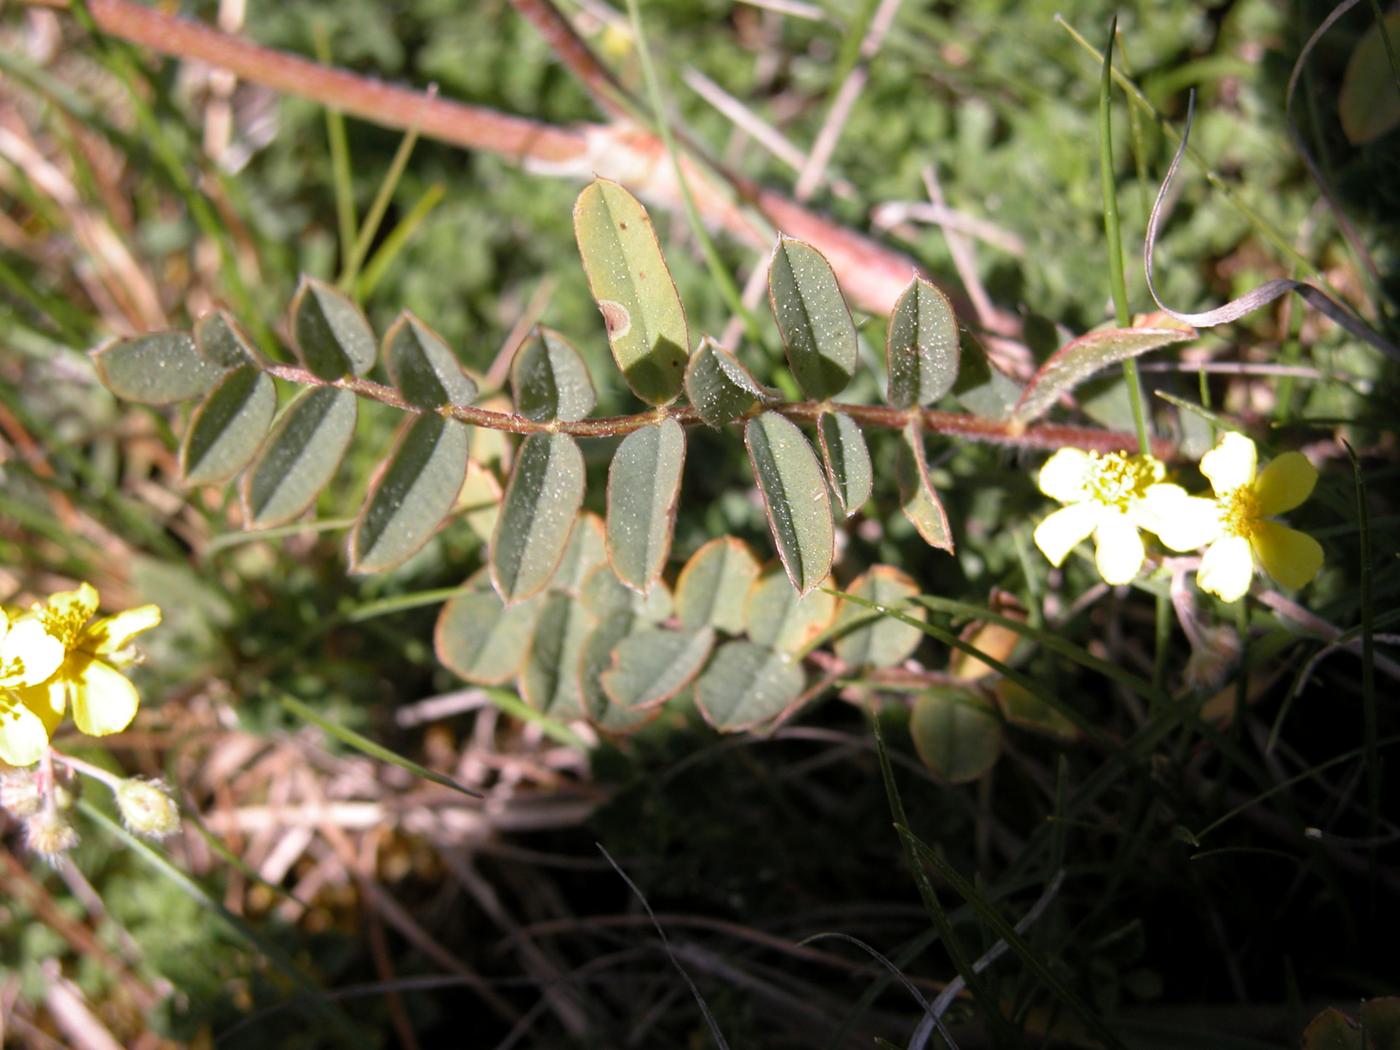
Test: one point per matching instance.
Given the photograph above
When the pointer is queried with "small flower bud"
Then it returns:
(146, 808)
(49, 835)
(20, 794)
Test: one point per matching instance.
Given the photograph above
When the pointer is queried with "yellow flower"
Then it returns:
(1235, 526)
(29, 655)
(86, 678)
(1104, 496)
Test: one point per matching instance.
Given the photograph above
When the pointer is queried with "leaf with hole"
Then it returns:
(159, 368)
(873, 639)
(221, 342)
(423, 366)
(300, 457)
(921, 346)
(847, 460)
(414, 491)
(721, 389)
(633, 289)
(653, 664)
(714, 583)
(747, 685)
(643, 484)
(228, 427)
(550, 679)
(956, 736)
(794, 497)
(917, 498)
(813, 319)
(330, 334)
(1075, 362)
(550, 380)
(480, 638)
(779, 618)
(542, 500)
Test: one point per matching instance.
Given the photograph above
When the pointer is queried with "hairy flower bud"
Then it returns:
(49, 834)
(146, 808)
(20, 794)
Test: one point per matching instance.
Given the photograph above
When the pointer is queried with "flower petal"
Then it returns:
(47, 701)
(1118, 550)
(23, 736)
(1289, 556)
(1231, 463)
(104, 700)
(1226, 569)
(1065, 475)
(77, 604)
(112, 633)
(1058, 534)
(1181, 522)
(1284, 484)
(38, 652)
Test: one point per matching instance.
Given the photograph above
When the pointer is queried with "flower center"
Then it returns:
(1118, 480)
(1239, 511)
(63, 624)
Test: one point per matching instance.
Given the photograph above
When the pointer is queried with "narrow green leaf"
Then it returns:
(653, 664)
(643, 484)
(847, 460)
(594, 661)
(331, 336)
(714, 583)
(779, 618)
(746, 685)
(1075, 362)
(300, 457)
(813, 319)
(415, 489)
(721, 389)
(542, 500)
(955, 734)
(587, 550)
(633, 289)
(221, 342)
(550, 680)
(917, 498)
(606, 596)
(227, 428)
(481, 639)
(875, 640)
(550, 379)
(921, 346)
(794, 497)
(423, 366)
(370, 748)
(160, 368)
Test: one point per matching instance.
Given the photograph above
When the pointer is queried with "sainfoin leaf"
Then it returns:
(874, 640)
(917, 498)
(221, 342)
(228, 427)
(423, 366)
(550, 679)
(300, 457)
(159, 368)
(746, 685)
(794, 496)
(608, 598)
(955, 734)
(480, 638)
(542, 500)
(331, 336)
(587, 550)
(714, 583)
(550, 379)
(847, 460)
(595, 659)
(653, 664)
(1075, 362)
(720, 388)
(633, 289)
(778, 617)
(414, 491)
(813, 319)
(921, 346)
(643, 483)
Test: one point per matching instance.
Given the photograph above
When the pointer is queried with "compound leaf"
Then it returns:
(721, 389)
(794, 496)
(643, 483)
(550, 379)
(813, 319)
(228, 427)
(921, 346)
(330, 334)
(300, 457)
(423, 366)
(159, 368)
(542, 501)
(847, 460)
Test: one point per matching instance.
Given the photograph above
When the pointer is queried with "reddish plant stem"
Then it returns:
(951, 424)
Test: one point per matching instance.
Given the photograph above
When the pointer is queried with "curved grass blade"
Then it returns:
(1076, 361)
(423, 367)
(813, 319)
(921, 346)
(917, 498)
(794, 497)
(414, 492)
(847, 460)
(643, 484)
(300, 457)
(714, 583)
(329, 333)
(228, 427)
(160, 368)
(721, 389)
(550, 379)
(542, 501)
(747, 685)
